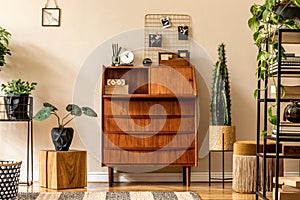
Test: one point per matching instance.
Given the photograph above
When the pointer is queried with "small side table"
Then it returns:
(63, 169)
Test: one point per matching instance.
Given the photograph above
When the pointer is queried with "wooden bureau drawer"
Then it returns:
(146, 125)
(161, 107)
(181, 157)
(148, 140)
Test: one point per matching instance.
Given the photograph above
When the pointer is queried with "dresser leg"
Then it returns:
(110, 176)
(183, 175)
(186, 175)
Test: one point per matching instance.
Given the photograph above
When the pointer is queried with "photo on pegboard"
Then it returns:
(155, 40)
(183, 32)
(165, 22)
(184, 54)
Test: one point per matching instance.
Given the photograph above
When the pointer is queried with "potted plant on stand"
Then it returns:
(265, 23)
(17, 98)
(4, 42)
(221, 107)
(62, 136)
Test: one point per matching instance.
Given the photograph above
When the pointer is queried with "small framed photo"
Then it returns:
(155, 40)
(184, 54)
(51, 17)
(183, 32)
(165, 22)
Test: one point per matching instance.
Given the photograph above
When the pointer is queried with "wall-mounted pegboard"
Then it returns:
(166, 33)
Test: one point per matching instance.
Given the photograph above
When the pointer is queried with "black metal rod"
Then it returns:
(223, 160)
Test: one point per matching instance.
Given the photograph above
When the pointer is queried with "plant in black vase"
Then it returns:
(17, 98)
(62, 136)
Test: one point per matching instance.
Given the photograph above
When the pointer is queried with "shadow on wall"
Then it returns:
(55, 83)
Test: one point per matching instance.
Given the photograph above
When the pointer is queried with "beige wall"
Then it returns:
(54, 56)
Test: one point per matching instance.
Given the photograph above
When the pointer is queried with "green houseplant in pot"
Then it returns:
(17, 98)
(4, 42)
(62, 136)
(221, 107)
(265, 22)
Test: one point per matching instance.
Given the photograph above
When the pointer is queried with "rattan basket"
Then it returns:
(9, 178)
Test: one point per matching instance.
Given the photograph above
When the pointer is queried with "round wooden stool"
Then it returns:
(244, 166)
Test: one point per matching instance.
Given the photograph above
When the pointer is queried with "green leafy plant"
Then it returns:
(265, 23)
(72, 112)
(221, 102)
(18, 87)
(4, 43)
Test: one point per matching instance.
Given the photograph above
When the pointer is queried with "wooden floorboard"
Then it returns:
(215, 191)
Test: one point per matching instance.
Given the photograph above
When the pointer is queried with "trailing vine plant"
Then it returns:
(265, 22)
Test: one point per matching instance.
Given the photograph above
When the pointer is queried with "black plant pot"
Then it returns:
(17, 106)
(62, 138)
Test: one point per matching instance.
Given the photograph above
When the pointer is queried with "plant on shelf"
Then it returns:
(221, 107)
(4, 42)
(62, 136)
(17, 98)
(265, 23)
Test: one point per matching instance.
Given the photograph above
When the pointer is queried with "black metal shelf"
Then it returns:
(285, 36)
(20, 110)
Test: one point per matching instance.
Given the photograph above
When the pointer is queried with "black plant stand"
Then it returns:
(223, 179)
(28, 120)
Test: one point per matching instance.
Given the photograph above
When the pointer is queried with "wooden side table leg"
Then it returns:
(110, 176)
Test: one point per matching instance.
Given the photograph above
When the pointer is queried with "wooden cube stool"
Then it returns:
(63, 169)
(244, 166)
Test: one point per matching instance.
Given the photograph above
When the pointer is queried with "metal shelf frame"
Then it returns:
(28, 119)
(262, 105)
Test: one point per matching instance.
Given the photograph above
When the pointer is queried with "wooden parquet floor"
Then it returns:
(215, 191)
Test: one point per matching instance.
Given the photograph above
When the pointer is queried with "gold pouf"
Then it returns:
(244, 166)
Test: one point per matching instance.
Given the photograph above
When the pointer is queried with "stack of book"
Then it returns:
(287, 129)
(290, 188)
(116, 89)
(291, 91)
(291, 64)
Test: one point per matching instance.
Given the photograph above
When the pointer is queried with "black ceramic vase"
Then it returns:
(62, 138)
(292, 112)
(17, 106)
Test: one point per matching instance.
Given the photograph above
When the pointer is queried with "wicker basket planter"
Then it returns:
(9, 178)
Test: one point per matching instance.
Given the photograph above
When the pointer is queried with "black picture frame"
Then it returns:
(155, 40)
(51, 16)
(183, 32)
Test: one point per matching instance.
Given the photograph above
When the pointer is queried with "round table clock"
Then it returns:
(127, 58)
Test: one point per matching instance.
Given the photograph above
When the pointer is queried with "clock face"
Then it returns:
(127, 57)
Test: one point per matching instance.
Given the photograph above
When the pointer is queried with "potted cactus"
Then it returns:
(221, 107)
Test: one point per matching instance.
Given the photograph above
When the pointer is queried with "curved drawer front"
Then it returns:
(161, 107)
(146, 125)
(169, 157)
(148, 140)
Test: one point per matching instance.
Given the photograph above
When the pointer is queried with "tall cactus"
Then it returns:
(221, 102)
